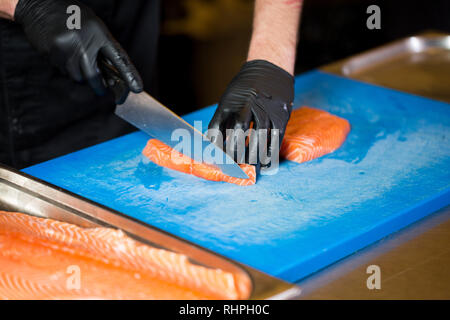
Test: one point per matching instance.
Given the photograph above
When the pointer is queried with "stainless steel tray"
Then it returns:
(23, 193)
(418, 65)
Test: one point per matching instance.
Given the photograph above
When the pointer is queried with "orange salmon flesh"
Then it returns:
(47, 259)
(163, 155)
(310, 134)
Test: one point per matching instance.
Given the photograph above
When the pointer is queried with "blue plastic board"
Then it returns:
(392, 170)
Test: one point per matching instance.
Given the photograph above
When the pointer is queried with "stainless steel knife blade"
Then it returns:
(149, 115)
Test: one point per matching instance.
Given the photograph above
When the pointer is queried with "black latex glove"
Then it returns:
(75, 51)
(261, 94)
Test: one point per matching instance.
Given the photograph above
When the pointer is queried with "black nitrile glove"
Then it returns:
(261, 96)
(75, 51)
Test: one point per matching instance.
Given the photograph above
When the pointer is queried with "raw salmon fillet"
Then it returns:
(312, 133)
(38, 257)
(163, 155)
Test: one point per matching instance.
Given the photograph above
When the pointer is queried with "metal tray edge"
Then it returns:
(263, 285)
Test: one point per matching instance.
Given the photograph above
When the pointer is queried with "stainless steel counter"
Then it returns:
(414, 262)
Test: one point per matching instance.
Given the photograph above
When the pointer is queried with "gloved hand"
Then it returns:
(75, 51)
(261, 96)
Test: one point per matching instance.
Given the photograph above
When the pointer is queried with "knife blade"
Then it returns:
(149, 115)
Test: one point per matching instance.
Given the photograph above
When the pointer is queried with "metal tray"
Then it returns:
(23, 193)
(418, 65)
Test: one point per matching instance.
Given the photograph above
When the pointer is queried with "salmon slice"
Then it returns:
(37, 256)
(163, 155)
(312, 133)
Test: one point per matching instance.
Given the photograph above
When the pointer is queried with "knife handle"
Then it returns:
(113, 80)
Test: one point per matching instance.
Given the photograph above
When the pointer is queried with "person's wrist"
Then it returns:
(7, 9)
(270, 65)
(278, 54)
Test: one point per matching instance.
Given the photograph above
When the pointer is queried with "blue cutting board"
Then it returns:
(392, 170)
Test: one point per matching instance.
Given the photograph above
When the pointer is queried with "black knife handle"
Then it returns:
(113, 80)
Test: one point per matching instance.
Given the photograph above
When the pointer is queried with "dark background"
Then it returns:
(204, 42)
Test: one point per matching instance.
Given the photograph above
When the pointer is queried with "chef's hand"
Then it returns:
(75, 51)
(261, 96)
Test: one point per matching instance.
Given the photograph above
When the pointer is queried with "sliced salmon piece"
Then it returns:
(36, 254)
(312, 133)
(163, 155)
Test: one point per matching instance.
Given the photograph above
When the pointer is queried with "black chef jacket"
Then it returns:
(45, 114)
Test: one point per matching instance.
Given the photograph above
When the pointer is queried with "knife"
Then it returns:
(149, 115)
